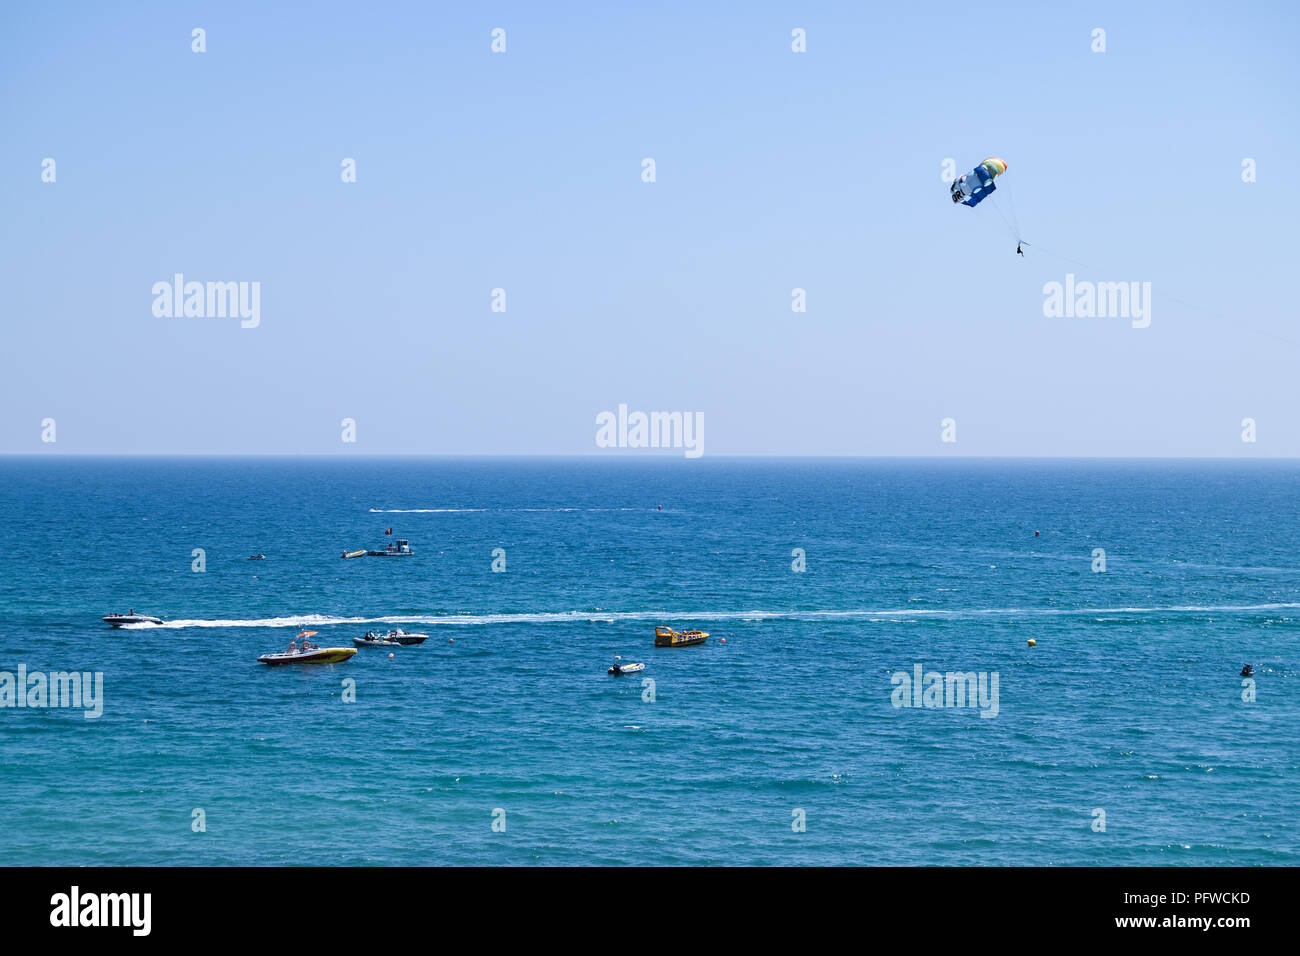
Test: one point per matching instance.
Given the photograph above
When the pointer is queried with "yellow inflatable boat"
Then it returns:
(667, 637)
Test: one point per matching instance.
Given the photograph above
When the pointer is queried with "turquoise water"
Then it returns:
(1130, 703)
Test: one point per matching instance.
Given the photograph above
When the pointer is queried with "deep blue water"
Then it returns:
(1130, 703)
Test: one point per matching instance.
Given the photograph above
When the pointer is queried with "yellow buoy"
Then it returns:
(1032, 642)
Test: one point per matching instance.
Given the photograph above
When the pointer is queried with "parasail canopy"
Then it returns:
(974, 187)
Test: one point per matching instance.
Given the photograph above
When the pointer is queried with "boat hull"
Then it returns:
(121, 620)
(324, 655)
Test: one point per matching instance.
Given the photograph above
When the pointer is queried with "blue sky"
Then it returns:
(522, 171)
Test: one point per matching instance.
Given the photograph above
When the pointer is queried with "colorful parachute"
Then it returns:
(972, 188)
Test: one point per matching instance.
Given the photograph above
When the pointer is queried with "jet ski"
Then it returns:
(1247, 671)
(119, 620)
(618, 670)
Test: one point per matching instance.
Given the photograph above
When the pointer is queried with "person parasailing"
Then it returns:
(972, 188)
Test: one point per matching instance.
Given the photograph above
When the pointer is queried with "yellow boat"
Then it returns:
(667, 637)
(309, 653)
(317, 655)
(355, 554)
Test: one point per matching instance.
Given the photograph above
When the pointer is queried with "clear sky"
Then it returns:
(775, 170)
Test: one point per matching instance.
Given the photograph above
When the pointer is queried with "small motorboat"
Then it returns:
(374, 639)
(121, 620)
(667, 637)
(355, 554)
(257, 557)
(1247, 670)
(315, 655)
(618, 670)
(308, 653)
(402, 637)
(398, 549)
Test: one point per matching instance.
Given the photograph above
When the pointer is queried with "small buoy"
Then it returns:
(1032, 642)
(724, 640)
(451, 640)
(1035, 534)
(390, 655)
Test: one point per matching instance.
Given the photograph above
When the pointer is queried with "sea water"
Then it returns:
(1126, 735)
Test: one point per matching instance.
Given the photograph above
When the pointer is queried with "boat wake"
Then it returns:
(439, 511)
(614, 617)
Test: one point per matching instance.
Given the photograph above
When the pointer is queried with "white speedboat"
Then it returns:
(400, 548)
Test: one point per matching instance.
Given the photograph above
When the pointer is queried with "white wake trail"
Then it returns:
(612, 617)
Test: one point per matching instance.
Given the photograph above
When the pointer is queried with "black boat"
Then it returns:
(395, 637)
(401, 637)
(373, 639)
(120, 620)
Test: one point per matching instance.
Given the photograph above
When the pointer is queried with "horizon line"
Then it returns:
(664, 456)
